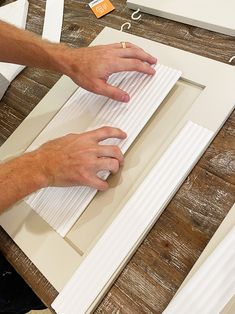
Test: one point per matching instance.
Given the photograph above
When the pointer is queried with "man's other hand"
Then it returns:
(75, 159)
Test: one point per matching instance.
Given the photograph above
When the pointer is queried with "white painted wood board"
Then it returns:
(53, 20)
(212, 286)
(147, 203)
(215, 15)
(217, 261)
(200, 96)
(14, 13)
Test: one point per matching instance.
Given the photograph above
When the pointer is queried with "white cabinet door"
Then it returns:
(167, 149)
(214, 15)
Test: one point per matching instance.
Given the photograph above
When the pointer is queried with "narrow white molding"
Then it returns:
(212, 286)
(53, 20)
(61, 207)
(135, 219)
(4, 83)
(14, 13)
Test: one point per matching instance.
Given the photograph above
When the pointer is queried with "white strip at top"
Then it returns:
(14, 13)
(53, 20)
(135, 219)
(212, 286)
(94, 2)
(61, 207)
(4, 83)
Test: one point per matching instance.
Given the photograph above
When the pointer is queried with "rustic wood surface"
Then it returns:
(165, 257)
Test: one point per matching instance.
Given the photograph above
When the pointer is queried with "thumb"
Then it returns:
(112, 92)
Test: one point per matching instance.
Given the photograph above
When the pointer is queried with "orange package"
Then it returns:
(101, 7)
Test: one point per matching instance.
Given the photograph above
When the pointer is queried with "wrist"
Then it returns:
(33, 166)
(61, 61)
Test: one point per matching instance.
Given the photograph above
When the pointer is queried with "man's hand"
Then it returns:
(91, 67)
(75, 159)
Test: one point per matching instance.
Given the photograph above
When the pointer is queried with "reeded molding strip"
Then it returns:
(61, 207)
(212, 286)
(137, 216)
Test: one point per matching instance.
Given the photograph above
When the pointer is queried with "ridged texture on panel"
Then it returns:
(212, 286)
(61, 207)
(136, 217)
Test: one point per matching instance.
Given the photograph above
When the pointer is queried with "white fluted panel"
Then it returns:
(212, 286)
(136, 217)
(61, 207)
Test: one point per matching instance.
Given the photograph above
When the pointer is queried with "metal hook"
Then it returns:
(136, 18)
(125, 24)
(231, 59)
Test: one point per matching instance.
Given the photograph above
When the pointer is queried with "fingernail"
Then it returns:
(125, 98)
(154, 60)
(152, 71)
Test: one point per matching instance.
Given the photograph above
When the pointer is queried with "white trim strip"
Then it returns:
(53, 20)
(212, 286)
(14, 13)
(61, 207)
(136, 217)
(4, 83)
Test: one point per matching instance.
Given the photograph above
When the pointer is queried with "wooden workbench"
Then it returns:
(161, 263)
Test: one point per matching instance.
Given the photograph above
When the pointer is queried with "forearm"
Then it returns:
(18, 178)
(89, 67)
(23, 47)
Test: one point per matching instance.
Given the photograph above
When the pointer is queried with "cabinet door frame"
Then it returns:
(204, 14)
(210, 110)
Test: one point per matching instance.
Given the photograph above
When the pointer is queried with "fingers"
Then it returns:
(117, 46)
(106, 132)
(131, 51)
(137, 53)
(110, 151)
(103, 164)
(137, 65)
(97, 183)
(91, 177)
(112, 92)
(108, 164)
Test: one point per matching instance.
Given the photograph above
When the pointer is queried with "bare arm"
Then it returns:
(73, 159)
(89, 67)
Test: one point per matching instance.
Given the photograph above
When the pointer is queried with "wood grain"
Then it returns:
(165, 257)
